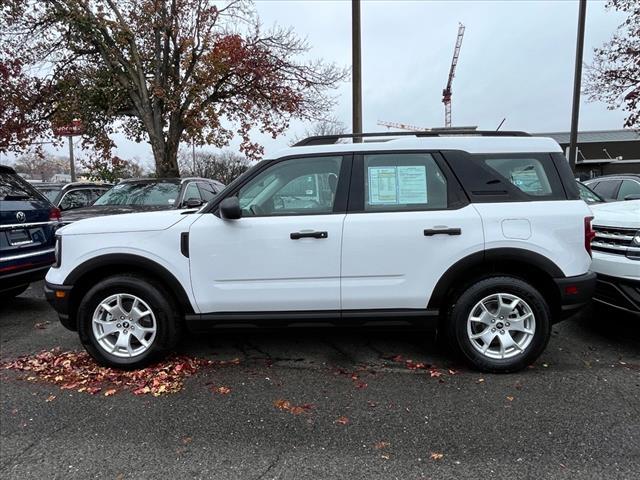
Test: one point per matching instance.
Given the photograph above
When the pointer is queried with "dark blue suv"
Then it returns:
(28, 222)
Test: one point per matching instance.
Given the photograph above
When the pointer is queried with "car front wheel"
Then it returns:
(127, 321)
(500, 324)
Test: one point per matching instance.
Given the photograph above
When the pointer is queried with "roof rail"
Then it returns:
(434, 132)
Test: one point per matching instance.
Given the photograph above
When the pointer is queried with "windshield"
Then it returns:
(12, 187)
(159, 194)
(50, 192)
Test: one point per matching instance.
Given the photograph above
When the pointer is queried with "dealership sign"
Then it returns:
(70, 129)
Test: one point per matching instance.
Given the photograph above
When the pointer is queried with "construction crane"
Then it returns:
(446, 93)
(402, 126)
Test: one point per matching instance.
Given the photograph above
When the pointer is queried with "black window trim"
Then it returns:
(185, 186)
(342, 190)
(456, 198)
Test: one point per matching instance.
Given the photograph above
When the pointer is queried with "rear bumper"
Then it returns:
(575, 293)
(61, 304)
(620, 293)
(15, 279)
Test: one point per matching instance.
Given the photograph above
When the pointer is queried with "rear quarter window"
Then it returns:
(503, 177)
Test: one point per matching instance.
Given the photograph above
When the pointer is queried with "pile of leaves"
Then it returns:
(78, 371)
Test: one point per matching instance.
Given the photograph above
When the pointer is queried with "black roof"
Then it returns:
(6, 169)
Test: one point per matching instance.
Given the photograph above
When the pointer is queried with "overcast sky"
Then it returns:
(516, 62)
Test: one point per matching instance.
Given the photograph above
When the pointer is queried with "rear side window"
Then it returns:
(403, 181)
(517, 177)
(527, 174)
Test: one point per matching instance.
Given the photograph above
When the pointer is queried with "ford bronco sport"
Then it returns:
(482, 233)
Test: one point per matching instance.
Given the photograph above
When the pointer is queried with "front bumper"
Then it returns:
(575, 292)
(58, 297)
(620, 293)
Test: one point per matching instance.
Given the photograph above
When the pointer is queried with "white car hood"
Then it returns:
(129, 222)
(617, 214)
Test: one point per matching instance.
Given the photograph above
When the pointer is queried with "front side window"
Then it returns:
(191, 192)
(143, 193)
(607, 189)
(403, 181)
(304, 186)
(628, 187)
(76, 199)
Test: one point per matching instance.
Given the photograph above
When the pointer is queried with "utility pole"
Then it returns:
(72, 162)
(577, 83)
(356, 68)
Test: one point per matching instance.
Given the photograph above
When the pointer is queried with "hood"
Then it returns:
(130, 222)
(101, 210)
(617, 214)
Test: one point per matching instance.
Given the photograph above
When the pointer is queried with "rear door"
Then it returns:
(408, 222)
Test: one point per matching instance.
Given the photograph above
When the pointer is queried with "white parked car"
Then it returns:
(616, 254)
(480, 233)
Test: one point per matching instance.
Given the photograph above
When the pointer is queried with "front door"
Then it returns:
(284, 253)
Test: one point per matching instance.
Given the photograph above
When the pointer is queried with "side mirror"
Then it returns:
(193, 203)
(230, 208)
(633, 196)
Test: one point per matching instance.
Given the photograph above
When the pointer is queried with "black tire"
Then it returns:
(160, 303)
(469, 298)
(13, 292)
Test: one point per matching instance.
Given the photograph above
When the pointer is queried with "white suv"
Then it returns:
(616, 254)
(481, 233)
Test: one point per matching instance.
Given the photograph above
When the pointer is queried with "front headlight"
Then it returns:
(58, 252)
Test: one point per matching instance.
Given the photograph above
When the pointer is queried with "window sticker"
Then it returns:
(383, 186)
(412, 184)
(405, 185)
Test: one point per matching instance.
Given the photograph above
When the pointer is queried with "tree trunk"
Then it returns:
(165, 155)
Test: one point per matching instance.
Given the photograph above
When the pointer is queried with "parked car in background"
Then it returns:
(482, 234)
(616, 187)
(67, 196)
(145, 195)
(28, 222)
(588, 195)
(616, 254)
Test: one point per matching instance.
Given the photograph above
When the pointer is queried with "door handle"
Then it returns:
(299, 235)
(429, 232)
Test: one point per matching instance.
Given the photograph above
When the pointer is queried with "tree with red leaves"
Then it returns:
(162, 70)
(614, 77)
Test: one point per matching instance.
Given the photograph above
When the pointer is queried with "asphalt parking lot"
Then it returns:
(364, 409)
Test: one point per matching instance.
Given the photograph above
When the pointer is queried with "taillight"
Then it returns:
(589, 234)
(54, 215)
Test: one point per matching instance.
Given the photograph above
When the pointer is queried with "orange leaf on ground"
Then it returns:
(223, 390)
(342, 420)
(381, 445)
(436, 455)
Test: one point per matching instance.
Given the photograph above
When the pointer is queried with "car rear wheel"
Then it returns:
(500, 324)
(127, 321)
